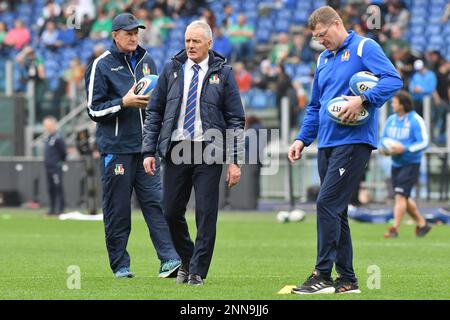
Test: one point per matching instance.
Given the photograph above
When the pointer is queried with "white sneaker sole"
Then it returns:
(322, 291)
(350, 291)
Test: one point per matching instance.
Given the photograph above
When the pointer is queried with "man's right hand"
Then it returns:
(130, 100)
(150, 166)
(295, 151)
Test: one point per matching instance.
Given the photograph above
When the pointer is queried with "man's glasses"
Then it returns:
(322, 34)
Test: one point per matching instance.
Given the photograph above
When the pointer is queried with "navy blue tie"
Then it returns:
(189, 116)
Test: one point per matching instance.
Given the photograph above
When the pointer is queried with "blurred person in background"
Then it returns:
(422, 84)
(55, 154)
(407, 128)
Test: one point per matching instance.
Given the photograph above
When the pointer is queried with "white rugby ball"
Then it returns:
(146, 84)
(362, 81)
(335, 106)
(296, 215)
(283, 216)
(387, 144)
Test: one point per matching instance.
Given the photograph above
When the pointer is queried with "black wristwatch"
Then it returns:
(365, 102)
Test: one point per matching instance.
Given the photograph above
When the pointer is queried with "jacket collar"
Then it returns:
(120, 55)
(216, 61)
(351, 35)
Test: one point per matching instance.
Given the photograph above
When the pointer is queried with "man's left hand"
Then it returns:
(353, 109)
(233, 175)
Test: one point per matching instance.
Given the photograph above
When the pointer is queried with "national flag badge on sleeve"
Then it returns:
(146, 69)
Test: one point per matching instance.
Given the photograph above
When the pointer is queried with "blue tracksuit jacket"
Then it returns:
(334, 70)
(411, 131)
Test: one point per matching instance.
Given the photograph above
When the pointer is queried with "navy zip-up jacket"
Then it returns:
(108, 79)
(220, 104)
(334, 70)
(55, 152)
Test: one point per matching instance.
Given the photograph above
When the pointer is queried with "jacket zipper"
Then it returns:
(134, 76)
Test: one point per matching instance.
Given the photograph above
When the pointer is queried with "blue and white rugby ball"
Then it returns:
(387, 144)
(335, 106)
(362, 81)
(146, 85)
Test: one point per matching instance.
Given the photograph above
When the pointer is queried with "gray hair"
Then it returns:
(203, 25)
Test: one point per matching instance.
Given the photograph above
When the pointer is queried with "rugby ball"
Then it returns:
(283, 216)
(146, 85)
(362, 81)
(335, 106)
(296, 215)
(387, 144)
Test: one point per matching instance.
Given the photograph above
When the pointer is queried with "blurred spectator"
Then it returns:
(50, 35)
(17, 37)
(162, 23)
(96, 52)
(423, 83)
(51, 11)
(150, 35)
(3, 32)
(222, 44)
(241, 37)
(85, 28)
(183, 8)
(403, 61)
(441, 95)
(243, 80)
(229, 16)
(446, 16)
(280, 51)
(34, 70)
(300, 52)
(162, 5)
(285, 89)
(101, 27)
(208, 17)
(394, 42)
(265, 78)
(397, 15)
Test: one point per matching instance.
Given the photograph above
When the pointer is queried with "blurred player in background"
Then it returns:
(408, 128)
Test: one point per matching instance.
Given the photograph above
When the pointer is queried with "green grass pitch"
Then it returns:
(254, 258)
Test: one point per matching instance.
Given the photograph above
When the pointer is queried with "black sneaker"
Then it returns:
(315, 284)
(182, 275)
(195, 280)
(344, 286)
(421, 232)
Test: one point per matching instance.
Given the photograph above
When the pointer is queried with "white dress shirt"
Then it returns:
(188, 74)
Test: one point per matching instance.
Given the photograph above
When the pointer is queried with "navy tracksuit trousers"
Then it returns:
(340, 171)
(120, 174)
(55, 191)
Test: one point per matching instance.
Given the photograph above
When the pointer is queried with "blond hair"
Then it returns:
(323, 15)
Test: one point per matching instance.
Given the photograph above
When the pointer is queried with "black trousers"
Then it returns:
(340, 170)
(55, 191)
(178, 180)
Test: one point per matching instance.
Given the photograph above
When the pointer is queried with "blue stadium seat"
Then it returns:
(300, 17)
(433, 30)
(263, 35)
(282, 26)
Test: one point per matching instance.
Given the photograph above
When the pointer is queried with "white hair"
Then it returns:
(203, 25)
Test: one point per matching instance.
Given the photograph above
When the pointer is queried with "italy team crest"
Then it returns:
(146, 69)
(214, 79)
(119, 170)
(345, 55)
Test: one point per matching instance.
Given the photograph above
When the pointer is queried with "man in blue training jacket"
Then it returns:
(110, 82)
(344, 150)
